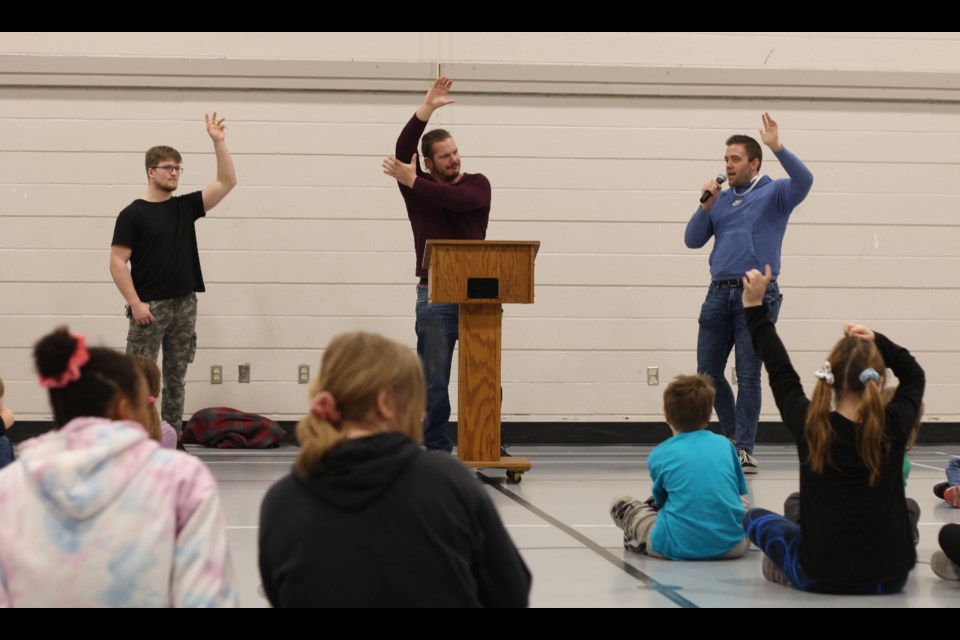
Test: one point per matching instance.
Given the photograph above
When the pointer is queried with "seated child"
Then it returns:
(696, 509)
(157, 429)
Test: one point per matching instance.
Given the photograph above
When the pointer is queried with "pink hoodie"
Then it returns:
(97, 514)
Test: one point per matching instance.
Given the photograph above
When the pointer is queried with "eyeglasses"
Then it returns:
(170, 168)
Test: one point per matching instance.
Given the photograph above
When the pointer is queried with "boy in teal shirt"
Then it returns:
(696, 509)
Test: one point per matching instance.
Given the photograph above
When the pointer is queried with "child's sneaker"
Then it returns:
(620, 510)
(939, 488)
(747, 461)
(944, 567)
(952, 496)
(772, 573)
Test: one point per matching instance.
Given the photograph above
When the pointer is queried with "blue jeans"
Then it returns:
(723, 326)
(437, 328)
(6, 452)
(779, 539)
(953, 472)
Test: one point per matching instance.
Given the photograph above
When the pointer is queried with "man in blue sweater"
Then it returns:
(749, 221)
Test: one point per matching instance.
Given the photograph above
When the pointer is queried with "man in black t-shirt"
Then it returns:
(156, 235)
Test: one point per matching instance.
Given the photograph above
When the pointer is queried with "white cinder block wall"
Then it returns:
(596, 145)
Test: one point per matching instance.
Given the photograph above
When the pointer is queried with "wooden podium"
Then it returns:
(481, 275)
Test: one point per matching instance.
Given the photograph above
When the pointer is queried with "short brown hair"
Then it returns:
(2, 390)
(160, 153)
(432, 137)
(753, 148)
(688, 402)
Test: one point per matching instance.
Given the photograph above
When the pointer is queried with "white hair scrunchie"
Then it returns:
(825, 373)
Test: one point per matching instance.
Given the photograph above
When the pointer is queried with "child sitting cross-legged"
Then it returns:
(696, 509)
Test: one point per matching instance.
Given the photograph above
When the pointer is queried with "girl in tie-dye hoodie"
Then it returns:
(97, 514)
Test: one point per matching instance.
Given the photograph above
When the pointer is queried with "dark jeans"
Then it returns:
(6, 452)
(953, 472)
(723, 326)
(437, 329)
(779, 539)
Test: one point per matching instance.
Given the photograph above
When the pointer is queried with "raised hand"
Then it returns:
(858, 331)
(770, 132)
(436, 97)
(216, 129)
(754, 286)
(437, 94)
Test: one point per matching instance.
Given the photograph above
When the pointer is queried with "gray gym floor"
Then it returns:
(558, 518)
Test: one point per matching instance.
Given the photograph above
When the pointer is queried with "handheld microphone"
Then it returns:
(706, 194)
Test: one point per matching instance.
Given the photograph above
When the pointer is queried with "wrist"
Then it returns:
(424, 112)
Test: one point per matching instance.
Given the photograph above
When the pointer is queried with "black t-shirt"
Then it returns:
(165, 262)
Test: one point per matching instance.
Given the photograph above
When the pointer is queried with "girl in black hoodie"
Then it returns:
(368, 518)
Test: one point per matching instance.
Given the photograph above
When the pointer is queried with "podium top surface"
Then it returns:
(478, 243)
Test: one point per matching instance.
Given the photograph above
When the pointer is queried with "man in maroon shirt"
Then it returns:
(443, 204)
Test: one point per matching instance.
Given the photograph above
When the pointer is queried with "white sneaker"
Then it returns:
(944, 566)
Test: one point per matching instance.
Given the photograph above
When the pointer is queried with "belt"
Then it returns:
(732, 284)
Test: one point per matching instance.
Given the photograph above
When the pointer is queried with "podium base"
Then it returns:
(514, 465)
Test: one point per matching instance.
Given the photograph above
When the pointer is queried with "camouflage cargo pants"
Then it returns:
(173, 329)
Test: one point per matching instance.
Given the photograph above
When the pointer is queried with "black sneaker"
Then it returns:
(747, 461)
(939, 488)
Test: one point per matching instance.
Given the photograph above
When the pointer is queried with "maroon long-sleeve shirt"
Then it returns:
(437, 211)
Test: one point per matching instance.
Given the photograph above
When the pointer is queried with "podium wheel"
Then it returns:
(514, 477)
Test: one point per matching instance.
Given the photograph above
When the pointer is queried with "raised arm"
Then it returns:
(226, 180)
(792, 191)
(119, 256)
(905, 406)
(784, 381)
(436, 98)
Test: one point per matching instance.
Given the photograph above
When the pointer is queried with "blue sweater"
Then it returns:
(750, 229)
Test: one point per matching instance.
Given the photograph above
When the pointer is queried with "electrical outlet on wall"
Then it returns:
(653, 375)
